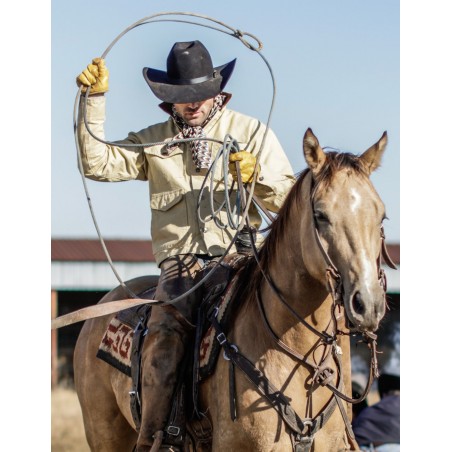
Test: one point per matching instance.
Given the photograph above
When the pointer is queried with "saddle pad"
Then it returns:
(117, 342)
(116, 346)
(210, 347)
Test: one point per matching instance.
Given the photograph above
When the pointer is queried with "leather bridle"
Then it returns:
(321, 373)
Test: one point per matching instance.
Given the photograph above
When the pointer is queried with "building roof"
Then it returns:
(394, 252)
(127, 250)
(91, 250)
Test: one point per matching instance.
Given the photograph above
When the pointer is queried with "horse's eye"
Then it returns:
(320, 216)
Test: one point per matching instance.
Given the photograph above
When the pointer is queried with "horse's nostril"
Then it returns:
(358, 304)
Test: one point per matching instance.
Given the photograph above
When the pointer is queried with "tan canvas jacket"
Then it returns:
(174, 184)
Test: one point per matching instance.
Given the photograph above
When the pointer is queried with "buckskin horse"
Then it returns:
(318, 278)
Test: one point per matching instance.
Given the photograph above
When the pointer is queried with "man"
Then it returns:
(184, 239)
(377, 427)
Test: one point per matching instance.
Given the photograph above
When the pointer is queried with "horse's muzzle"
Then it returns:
(365, 312)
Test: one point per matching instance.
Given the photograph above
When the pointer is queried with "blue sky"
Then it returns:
(336, 66)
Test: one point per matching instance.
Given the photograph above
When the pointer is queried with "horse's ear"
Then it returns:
(313, 153)
(372, 157)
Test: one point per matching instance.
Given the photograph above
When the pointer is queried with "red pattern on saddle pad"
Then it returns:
(116, 345)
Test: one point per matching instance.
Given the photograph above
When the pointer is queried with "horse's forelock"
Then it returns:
(336, 161)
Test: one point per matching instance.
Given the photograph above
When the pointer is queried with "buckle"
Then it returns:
(134, 396)
(221, 338)
(225, 356)
(323, 376)
(173, 430)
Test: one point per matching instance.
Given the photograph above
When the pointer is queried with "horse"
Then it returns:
(316, 280)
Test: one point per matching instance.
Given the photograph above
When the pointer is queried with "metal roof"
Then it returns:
(394, 252)
(91, 250)
(127, 250)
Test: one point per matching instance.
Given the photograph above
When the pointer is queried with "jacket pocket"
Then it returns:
(169, 223)
(164, 201)
(165, 173)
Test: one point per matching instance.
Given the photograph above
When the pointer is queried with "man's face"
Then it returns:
(195, 113)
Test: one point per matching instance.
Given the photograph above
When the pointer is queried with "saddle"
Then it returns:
(122, 343)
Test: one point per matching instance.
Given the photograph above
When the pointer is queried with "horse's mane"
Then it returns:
(335, 161)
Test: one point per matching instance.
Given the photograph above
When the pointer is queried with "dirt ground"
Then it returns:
(68, 434)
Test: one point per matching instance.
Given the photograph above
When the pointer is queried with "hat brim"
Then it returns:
(162, 87)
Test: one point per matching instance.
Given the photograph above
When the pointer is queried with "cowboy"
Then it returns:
(185, 240)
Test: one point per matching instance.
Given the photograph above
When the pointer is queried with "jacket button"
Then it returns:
(261, 178)
(203, 229)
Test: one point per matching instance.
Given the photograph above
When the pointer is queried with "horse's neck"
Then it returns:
(297, 270)
(299, 292)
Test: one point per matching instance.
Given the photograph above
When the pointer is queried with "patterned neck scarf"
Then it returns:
(200, 149)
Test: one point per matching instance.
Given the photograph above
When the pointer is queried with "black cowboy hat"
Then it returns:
(190, 75)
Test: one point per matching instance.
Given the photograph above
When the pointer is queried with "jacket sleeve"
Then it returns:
(276, 176)
(103, 162)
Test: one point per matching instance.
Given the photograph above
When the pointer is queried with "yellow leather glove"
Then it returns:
(247, 163)
(96, 76)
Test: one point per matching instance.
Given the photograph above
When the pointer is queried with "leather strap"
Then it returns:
(275, 398)
(137, 342)
(232, 392)
(384, 251)
(99, 310)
